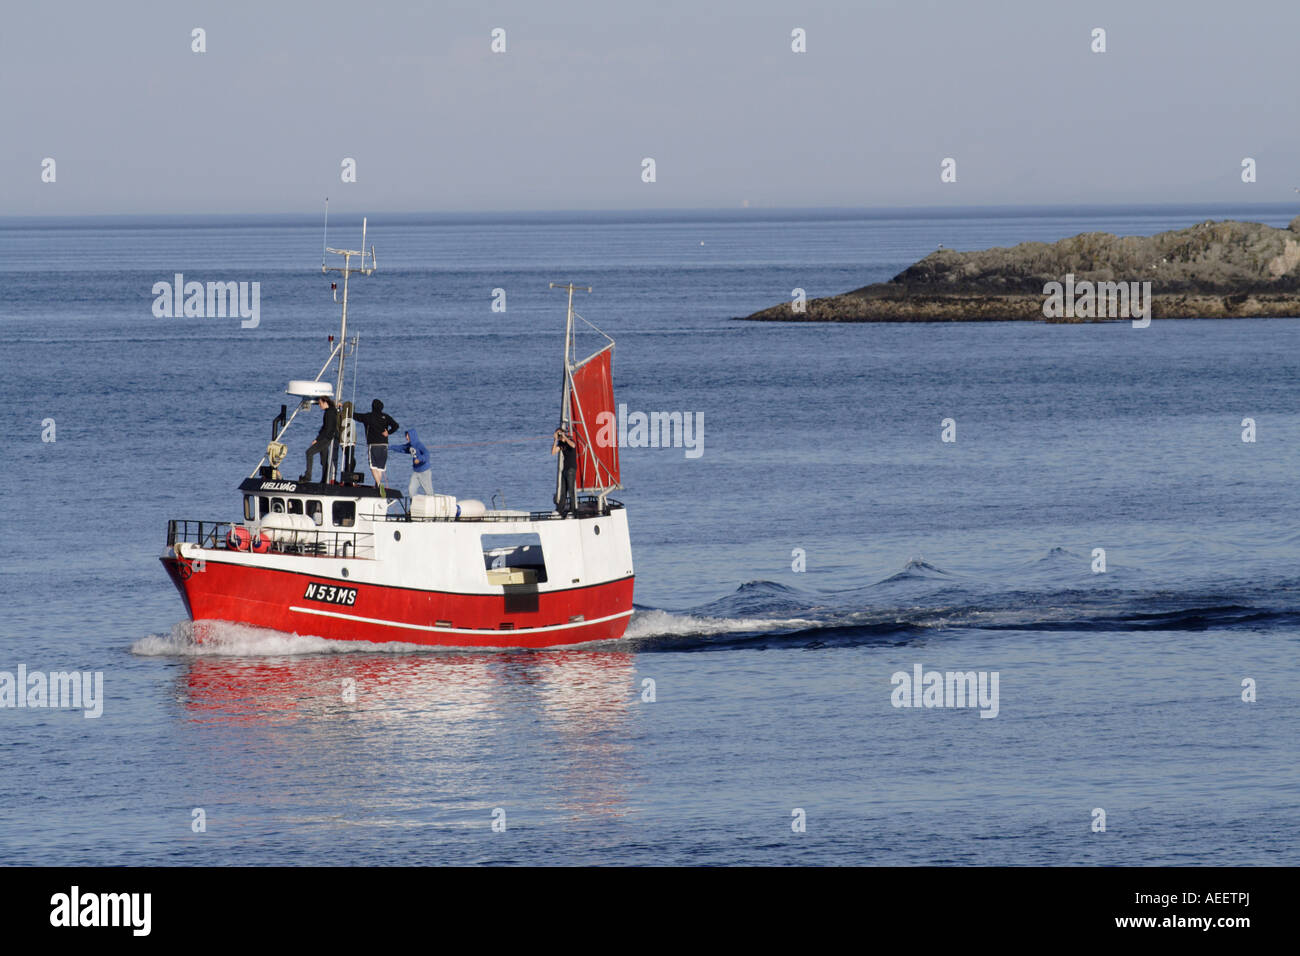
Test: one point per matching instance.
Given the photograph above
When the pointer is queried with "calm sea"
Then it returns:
(824, 540)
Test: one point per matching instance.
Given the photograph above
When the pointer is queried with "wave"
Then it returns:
(765, 614)
(1182, 619)
(917, 569)
(654, 623)
(665, 631)
(225, 639)
(761, 614)
(1058, 556)
(652, 630)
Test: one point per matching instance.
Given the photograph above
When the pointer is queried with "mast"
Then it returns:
(346, 270)
(341, 349)
(566, 418)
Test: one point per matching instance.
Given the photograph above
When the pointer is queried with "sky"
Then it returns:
(262, 121)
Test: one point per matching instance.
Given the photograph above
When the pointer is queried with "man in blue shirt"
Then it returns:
(421, 475)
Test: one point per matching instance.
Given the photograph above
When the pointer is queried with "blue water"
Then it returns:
(772, 687)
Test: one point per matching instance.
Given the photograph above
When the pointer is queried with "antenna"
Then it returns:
(346, 270)
(324, 243)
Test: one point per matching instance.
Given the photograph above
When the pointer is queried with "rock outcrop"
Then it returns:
(1223, 269)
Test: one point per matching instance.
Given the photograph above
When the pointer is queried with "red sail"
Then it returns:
(595, 422)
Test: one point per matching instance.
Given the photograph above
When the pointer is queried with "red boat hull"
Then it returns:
(275, 599)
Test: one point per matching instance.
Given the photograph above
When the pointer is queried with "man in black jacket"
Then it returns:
(567, 448)
(379, 425)
(329, 429)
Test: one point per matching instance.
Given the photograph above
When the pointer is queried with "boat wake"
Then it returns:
(917, 569)
(654, 623)
(224, 639)
(919, 601)
(922, 599)
(684, 631)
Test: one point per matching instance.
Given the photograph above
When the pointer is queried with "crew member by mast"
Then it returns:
(379, 425)
(329, 429)
(566, 446)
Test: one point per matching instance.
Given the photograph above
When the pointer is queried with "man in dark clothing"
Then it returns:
(565, 445)
(329, 429)
(379, 426)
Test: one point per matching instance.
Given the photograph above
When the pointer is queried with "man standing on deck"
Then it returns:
(379, 425)
(566, 446)
(421, 477)
(329, 429)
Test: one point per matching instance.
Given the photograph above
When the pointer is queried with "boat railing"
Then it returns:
(587, 508)
(215, 535)
(206, 534)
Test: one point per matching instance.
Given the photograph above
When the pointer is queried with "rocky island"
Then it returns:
(1212, 270)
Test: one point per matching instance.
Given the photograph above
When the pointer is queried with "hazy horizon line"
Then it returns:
(998, 210)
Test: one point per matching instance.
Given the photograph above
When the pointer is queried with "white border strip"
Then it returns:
(482, 632)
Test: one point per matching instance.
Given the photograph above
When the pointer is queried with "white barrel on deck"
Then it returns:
(286, 528)
(433, 506)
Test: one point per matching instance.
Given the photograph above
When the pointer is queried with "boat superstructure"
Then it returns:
(345, 560)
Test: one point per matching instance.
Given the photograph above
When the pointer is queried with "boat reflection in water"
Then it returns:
(419, 739)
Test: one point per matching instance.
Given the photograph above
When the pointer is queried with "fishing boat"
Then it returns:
(344, 560)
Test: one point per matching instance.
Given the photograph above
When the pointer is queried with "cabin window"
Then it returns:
(315, 512)
(250, 508)
(263, 506)
(277, 506)
(345, 514)
(295, 506)
(521, 551)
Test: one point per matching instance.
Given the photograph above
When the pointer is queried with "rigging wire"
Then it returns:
(356, 347)
(591, 324)
(504, 441)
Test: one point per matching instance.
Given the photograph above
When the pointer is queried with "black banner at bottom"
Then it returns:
(334, 905)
